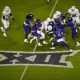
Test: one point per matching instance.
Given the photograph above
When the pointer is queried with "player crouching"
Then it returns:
(38, 34)
(5, 19)
(59, 39)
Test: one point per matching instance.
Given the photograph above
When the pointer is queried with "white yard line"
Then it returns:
(25, 69)
(54, 6)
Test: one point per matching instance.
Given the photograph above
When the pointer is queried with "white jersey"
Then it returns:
(45, 23)
(6, 14)
(5, 17)
(74, 12)
(42, 34)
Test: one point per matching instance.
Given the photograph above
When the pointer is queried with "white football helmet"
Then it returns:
(58, 13)
(48, 19)
(7, 8)
(73, 8)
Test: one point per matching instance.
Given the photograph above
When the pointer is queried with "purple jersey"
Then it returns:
(59, 26)
(72, 25)
(27, 21)
(35, 28)
(58, 33)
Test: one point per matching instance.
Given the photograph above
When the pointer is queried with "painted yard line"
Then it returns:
(53, 8)
(18, 52)
(25, 69)
(43, 65)
(35, 46)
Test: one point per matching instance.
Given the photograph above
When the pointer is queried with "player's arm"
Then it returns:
(31, 24)
(11, 16)
(5, 18)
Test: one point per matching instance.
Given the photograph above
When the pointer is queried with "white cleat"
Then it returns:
(25, 40)
(44, 42)
(77, 45)
(39, 44)
(52, 48)
(30, 36)
(2, 29)
(4, 34)
(71, 50)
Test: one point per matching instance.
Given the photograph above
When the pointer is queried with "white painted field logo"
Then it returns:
(56, 59)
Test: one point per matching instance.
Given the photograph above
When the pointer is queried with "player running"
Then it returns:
(5, 19)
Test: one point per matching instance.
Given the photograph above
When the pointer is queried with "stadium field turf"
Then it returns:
(14, 42)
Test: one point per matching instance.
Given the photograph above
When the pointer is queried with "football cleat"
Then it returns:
(2, 29)
(52, 48)
(39, 44)
(4, 34)
(71, 50)
(77, 44)
(30, 35)
(25, 40)
(44, 42)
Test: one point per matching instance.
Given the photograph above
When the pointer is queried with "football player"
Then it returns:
(28, 23)
(58, 39)
(74, 12)
(5, 19)
(50, 28)
(59, 17)
(38, 34)
(74, 30)
(56, 16)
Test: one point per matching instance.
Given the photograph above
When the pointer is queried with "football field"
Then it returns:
(21, 61)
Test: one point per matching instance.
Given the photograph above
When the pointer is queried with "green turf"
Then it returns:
(15, 38)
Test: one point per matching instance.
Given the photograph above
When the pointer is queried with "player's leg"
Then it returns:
(78, 22)
(51, 35)
(30, 35)
(54, 44)
(42, 37)
(74, 37)
(5, 27)
(27, 31)
(34, 38)
(35, 34)
(65, 44)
